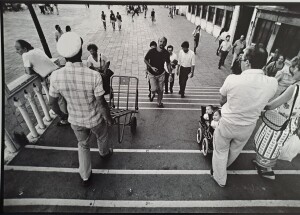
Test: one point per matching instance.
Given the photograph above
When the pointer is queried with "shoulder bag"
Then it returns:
(274, 120)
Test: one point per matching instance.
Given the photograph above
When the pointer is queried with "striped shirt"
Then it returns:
(80, 86)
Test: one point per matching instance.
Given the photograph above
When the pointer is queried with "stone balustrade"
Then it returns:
(28, 96)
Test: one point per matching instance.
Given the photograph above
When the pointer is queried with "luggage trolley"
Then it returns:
(121, 89)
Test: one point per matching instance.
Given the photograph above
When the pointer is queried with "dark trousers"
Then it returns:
(167, 75)
(222, 57)
(220, 41)
(42, 8)
(183, 77)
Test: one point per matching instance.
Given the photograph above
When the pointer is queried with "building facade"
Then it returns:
(273, 26)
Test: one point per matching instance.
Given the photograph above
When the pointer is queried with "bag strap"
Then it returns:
(295, 98)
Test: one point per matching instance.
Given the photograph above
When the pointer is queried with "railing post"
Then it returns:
(37, 115)
(42, 102)
(26, 117)
(44, 85)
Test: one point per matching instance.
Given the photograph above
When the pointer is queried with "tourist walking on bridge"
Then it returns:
(186, 66)
(103, 19)
(224, 49)
(58, 32)
(88, 109)
(155, 60)
(113, 19)
(197, 35)
(238, 117)
(119, 20)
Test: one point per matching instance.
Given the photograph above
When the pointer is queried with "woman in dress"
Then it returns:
(197, 35)
(268, 143)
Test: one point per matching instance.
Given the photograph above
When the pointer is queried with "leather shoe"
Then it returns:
(107, 156)
(87, 183)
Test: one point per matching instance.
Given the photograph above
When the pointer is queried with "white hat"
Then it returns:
(69, 44)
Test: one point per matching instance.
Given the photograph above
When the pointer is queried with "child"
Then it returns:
(216, 118)
(208, 116)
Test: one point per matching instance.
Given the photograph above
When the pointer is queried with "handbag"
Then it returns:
(290, 149)
(275, 121)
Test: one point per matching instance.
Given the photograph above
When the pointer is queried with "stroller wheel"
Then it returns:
(205, 146)
(199, 135)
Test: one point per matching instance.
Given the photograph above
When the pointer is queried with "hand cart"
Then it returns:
(121, 89)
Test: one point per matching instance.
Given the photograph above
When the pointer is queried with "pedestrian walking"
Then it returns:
(236, 68)
(221, 38)
(56, 7)
(272, 69)
(135, 11)
(155, 60)
(37, 62)
(171, 12)
(103, 19)
(113, 19)
(170, 78)
(42, 8)
(88, 109)
(197, 35)
(153, 45)
(145, 11)
(119, 20)
(238, 117)
(186, 66)
(237, 47)
(268, 142)
(58, 32)
(68, 28)
(224, 49)
(153, 15)
(174, 10)
(100, 63)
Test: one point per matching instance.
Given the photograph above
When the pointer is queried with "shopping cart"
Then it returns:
(122, 87)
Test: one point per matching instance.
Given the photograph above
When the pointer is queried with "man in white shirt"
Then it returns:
(174, 62)
(224, 49)
(244, 97)
(186, 62)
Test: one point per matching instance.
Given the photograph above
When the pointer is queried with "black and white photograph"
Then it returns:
(150, 106)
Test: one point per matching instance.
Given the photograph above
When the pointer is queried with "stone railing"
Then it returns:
(27, 110)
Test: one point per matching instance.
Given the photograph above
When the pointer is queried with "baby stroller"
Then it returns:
(205, 133)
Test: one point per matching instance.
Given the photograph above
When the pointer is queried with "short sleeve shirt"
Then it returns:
(247, 95)
(39, 62)
(157, 59)
(98, 64)
(186, 59)
(80, 86)
(239, 46)
(226, 46)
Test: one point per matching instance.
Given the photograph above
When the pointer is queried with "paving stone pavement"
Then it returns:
(126, 48)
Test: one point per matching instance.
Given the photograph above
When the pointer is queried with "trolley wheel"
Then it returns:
(199, 135)
(205, 146)
(133, 125)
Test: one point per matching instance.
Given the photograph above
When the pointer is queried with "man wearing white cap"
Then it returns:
(87, 107)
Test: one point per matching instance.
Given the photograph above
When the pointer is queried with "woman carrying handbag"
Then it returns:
(277, 127)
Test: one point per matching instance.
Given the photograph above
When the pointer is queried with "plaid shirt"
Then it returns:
(80, 86)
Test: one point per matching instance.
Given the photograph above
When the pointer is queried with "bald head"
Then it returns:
(162, 42)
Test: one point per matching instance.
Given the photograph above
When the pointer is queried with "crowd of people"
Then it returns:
(262, 82)
(48, 8)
